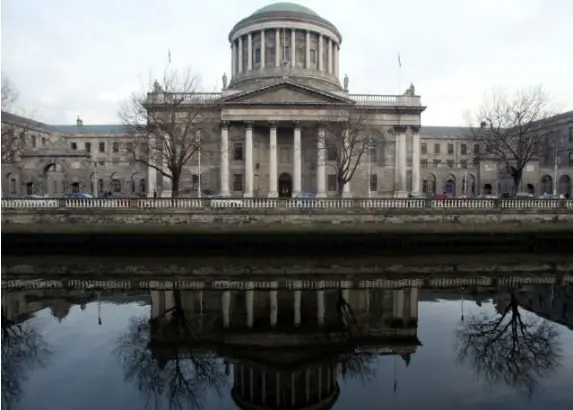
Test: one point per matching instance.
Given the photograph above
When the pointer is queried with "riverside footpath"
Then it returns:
(261, 226)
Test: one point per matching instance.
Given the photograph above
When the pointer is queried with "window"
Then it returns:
(238, 156)
(464, 164)
(437, 163)
(570, 134)
(195, 182)
(436, 148)
(102, 147)
(237, 182)
(331, 153)
(286, 53)
(571, 159)
(373, 182)
(313, 56)
(373, 154)
(331, 183)
(101, 163)
(34, 141)
(424, 163)
(74, 145)
(423, 148)
(129, 147)
(115, 147)
(476, 149)
(75, 187)
(450, 149)
(464, 149)
(88, 147)
(13, 186)
(43, 141)
(257, 55)
(450, 164)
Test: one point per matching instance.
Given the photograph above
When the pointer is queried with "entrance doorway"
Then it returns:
(285, 185)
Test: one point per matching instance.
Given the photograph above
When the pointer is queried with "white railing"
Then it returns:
(290, 203)
(241, 285)
(387, 100)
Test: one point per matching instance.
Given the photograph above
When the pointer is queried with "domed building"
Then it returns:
(284, 85)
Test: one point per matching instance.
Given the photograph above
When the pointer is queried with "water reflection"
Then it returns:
(294, 344)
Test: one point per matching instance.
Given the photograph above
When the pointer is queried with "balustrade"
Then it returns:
(289, 203)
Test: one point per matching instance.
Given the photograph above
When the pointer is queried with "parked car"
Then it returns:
(77, 195)
(41, 201)
(306, 199)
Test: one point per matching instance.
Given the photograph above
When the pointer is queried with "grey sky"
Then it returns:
(70, 57)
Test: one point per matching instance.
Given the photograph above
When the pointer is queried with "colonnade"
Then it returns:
(325, 44)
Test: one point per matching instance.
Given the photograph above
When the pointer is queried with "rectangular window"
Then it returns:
(257, 55)
(423, 148)
(195, 182)
(373, 182)
(101, 163)
(74, 145)
(331, 153)
(450, 149)
(450, 164)
(436, 148)
(437, 163)
(476, 149)
(102, 147)
(331, 183)
(115, 147)
(238, 151)
(312, 56)
(237, 182)
(570, 134)
(424, 163)
(464, 164)
(129, 147)
(88, 147)
(464, 149)
(286, 54)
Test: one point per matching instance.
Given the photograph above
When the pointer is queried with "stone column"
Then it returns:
(414, 303)
(346, 193)
(297, 162)
(321, 165)
(224, 172)
(226, 307)
(416, 162)
(233, 59)
(240, 56)
(151, 173)
(166, 189)
(400, 168)
(307, 51)
(248, 193)
(320, 304)
(278, 50)
(320, 61)
(273, 182)
(403, 163)
(263, 47)
(335, 58)
(250, 51)
(249, 301)
(274, 305)
(330, 56)
(293, 47)
(297, 299)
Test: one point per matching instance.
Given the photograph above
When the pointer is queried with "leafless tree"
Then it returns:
(23, 349)
(170, 123)
(9, 94)
(509, 128)
(345, 139)
(509, 347)
(175, 371)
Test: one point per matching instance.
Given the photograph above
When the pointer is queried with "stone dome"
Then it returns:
(285, 7)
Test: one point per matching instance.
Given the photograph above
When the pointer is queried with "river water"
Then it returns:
(296, 344)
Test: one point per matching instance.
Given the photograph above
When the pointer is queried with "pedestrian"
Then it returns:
(154, 194)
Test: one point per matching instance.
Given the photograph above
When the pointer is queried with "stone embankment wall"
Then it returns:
(100, 219)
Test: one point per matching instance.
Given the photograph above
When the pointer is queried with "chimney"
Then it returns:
(79, 122)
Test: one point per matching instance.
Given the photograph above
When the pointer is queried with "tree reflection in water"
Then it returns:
(23, 349)
(509, 347)
(185, 378)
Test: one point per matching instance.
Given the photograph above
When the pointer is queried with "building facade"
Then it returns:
(284, 82)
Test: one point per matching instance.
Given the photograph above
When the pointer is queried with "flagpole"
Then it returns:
(399, 75)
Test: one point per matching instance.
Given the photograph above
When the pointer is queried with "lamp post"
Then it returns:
(95, 180)
(199, 164)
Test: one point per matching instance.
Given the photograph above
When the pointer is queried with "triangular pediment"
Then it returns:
(286, 93)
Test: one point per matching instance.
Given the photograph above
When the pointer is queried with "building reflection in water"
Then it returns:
(287, 348)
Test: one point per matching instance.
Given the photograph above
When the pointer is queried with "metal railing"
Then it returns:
(289, 203)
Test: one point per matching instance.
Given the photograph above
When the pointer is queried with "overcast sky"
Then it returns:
(81, 57)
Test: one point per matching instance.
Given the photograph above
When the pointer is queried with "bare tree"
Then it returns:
(9, 94)
(345, 139)
(510, 129)
(510, 347)
(173, 370)
(170, 123)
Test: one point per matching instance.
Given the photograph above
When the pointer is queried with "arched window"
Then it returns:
(76, 187)
(142, 186)
(30, 188)
(116, 185)
(100, 187)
